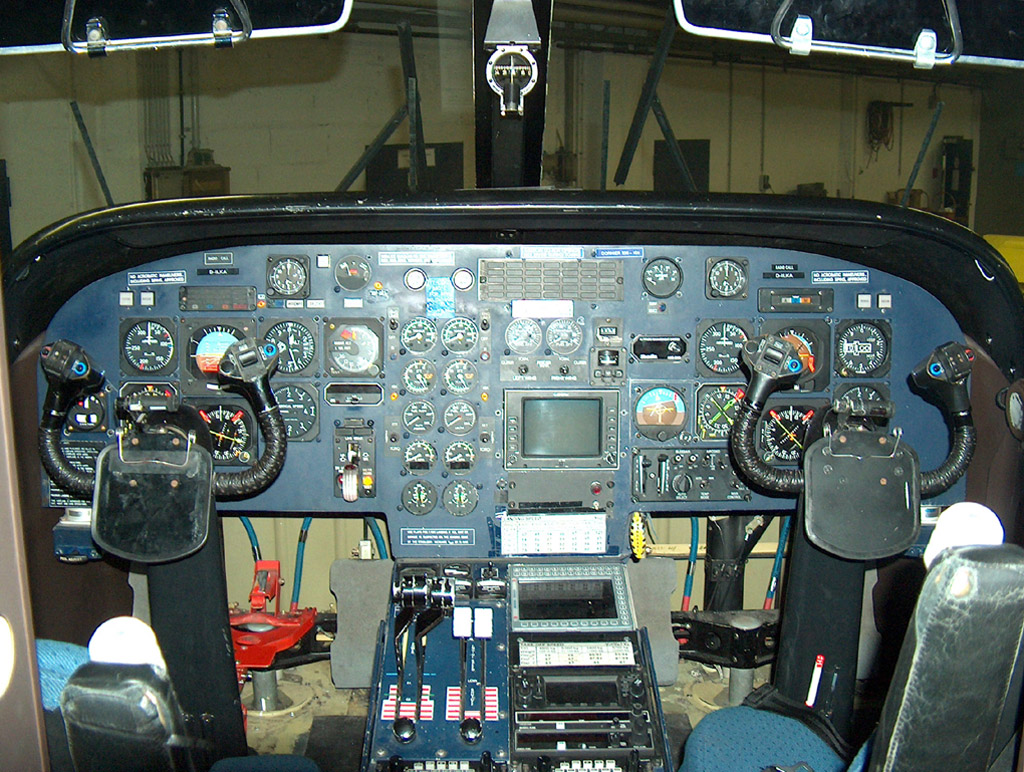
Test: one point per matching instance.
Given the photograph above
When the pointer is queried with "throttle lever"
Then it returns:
(943, 375)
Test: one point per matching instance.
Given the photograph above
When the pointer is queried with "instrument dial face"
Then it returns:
(298, 410)
(564, 336)
(727, 278)
(149, 347)
(296, 344)
(459, 457)
(523, 336)
(660, 413)
(460, 376)
(231, 430)
(716, 410)
(419, 497)
(352, 273)
(419, 335)
(353, 349)
(287, 276)
(460, 335)
(719, 347)
(459, 417)
(420, 457)
(131, 389)
(419, 376)
(861, 392)
(460, 498)
(87, 413)
(662, 277)
(419, 417)
(861, 349)
(806, 345)
(206, 347)
(783, 433)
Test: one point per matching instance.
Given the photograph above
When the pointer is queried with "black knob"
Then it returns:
(404, 729)
(543, 764)
(486, 763)
(471, 730)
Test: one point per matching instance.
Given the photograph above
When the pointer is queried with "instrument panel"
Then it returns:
(506, 399)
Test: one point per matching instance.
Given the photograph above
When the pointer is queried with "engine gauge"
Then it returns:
(288, 276)
(296, 343)
(523, 336)
(460, 335)
(419, 417)
(419, 457)
(719, 347)
(148, 346)
(460, 498)
(459, 417)
(206, 347)
(727, 278)
(87, 413)
(419, 376)
(459, 457)
(419, 497)
(460, 376)
(864, 392)
(716, 410)
(662, 277)
(564, 336)
(862, 349)
(352, 349)
(660, 413)
(783, 433)
(352, 273)
(298, 410)
(419, 335)
(231, 430)
(130, 389)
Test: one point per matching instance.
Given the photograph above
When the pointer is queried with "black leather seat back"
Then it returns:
(954, 679)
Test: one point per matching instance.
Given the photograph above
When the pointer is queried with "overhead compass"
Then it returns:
(511, 73)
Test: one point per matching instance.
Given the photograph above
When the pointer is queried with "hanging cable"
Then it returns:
(773, 582)
(300, 553)
(378, 537)
(254, 542)
(691, 563)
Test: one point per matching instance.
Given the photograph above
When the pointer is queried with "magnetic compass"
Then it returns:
(512, 73)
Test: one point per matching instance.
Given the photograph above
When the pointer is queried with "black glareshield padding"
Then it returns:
(774, 364)
(70, 373)
(246, 368)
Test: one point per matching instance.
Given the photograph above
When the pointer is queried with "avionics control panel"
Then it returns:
(493, 400)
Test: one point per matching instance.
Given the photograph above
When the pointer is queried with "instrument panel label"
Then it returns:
(438, 537)
(551, 253)
(156, 277)
(619, 252)
(839, 277)
(553, 534)
(432, 257)
(440, 297)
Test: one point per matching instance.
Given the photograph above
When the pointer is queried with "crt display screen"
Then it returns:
(567, 599)
(564, 427)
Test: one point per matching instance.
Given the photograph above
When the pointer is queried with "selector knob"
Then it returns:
(681, 483)
(471, 730)
(404, 729)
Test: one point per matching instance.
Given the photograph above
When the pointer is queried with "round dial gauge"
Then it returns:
(298, 410)
(459, 417)
(716, 410)
(523, 336)
(660, 413)
(719, 347)
(727, 279)
(459, 335)
(419, 335)
(354, 349)
(783, 433)
(419, 457)
(419, 497)
(459, 458)
(149, 347)
(419, 376)
(662, 277)
(564, 336)
(460, 498)
(87, 413)
(206, 347)
(231, 430)
(861, 392)
(806, 345)
(287, 276)
(131, 389)
(861, 349)
(460, 376)
(296, 344)
(418, 417)
(352, 273)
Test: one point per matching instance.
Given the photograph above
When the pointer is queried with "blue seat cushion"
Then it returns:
(57, 661)
(745, 739)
